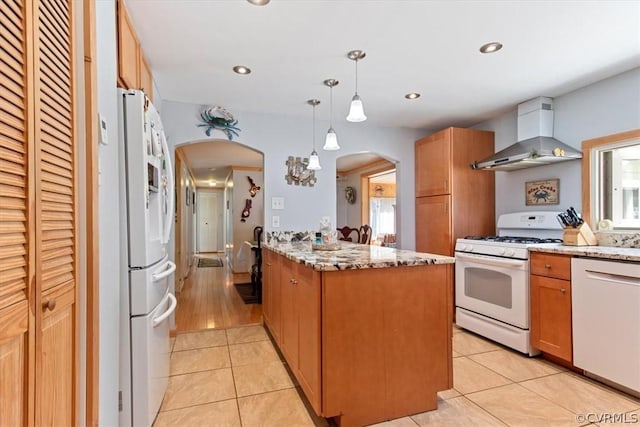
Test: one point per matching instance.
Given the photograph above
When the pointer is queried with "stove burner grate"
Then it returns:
(513, 239)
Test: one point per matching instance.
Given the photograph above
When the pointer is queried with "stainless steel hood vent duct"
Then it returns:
(536, 145)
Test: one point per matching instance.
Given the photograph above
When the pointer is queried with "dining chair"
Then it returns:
(256, 268)
(346, 232)
(365, 234)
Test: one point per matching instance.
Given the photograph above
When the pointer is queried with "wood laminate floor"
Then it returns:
(209, 300)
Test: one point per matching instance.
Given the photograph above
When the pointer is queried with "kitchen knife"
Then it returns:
(572, 212)
(561, 220)
(567, 218)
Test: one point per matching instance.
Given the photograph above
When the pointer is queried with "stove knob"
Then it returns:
(501, 251)
(468, 248)
(510, 252)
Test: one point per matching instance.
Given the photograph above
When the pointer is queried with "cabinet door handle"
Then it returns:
(295, 282)
(50, 304)
(547, 266)
(563, 290)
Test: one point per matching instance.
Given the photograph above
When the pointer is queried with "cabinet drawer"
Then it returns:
(551, 265)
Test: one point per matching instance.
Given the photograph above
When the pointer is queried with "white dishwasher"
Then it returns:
(606, 320)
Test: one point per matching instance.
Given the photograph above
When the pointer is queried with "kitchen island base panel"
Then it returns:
(386, 342)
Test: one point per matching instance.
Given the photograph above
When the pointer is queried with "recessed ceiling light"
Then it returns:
(412, 95)
(490, 47)
(212, 183)
(241, 69)
(259, 2)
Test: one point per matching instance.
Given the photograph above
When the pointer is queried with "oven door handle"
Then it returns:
(492, 261)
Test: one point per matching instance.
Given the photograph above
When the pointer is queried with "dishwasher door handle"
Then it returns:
(614, 278)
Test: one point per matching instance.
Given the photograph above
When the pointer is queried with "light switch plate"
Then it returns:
(275, 221)
(277, 203)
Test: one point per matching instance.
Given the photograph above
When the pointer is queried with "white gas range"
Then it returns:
(492, 277)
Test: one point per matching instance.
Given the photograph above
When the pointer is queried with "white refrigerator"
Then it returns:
(146, 301)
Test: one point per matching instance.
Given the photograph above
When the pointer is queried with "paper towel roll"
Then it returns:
(605, 224)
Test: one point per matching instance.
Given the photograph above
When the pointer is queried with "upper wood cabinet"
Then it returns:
(38, 207)
(146, 78)
(442, 168)
(128, 51)
(133, 69)
(433, 160)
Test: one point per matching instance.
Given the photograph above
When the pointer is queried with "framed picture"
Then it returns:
(545, 192)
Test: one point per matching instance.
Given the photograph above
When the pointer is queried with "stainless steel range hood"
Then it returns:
(536, 145)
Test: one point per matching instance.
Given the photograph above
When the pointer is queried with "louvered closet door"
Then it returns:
(14, 222)
(55, 212)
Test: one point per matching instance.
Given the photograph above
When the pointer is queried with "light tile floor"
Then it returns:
(234, 377)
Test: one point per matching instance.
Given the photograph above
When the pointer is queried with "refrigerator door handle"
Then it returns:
(168, 272)
(158, 320)
(171, 188)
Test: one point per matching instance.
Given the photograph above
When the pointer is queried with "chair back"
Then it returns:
(257, 236)
(365, 234)
(345, 234)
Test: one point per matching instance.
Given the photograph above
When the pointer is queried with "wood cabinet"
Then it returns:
(300, 339)
(133, 69)
(453, 200)
(366, 345)
(38, 207)
(434, 214)
(146, 77)
(128, 51)
(271, 295)
(550, 287)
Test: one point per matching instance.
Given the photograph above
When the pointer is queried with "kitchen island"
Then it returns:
(366, 330)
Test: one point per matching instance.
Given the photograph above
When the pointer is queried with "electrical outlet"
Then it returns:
(275, 221)
(277, 203)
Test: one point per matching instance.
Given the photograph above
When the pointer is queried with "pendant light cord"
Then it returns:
(331, 106)
(314, 128)
(356, 75)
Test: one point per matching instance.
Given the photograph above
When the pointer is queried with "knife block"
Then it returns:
(579, 236)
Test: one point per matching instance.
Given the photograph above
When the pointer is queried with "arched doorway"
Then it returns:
(215, 182)
(372, 178)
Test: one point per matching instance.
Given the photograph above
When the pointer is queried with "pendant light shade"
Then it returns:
(314, 160)
(331, 140)
(356, 110)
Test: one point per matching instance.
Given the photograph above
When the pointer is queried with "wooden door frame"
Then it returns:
(92, 255)
(364, 190)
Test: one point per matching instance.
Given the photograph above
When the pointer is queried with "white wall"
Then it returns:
(603, 108)
(281, 136)
(243, 231)
(109, 290)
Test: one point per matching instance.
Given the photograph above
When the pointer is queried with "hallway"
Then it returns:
(209, 300)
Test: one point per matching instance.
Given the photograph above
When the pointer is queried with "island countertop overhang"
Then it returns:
(353, 256)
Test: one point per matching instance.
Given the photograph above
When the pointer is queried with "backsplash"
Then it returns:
(618, 239)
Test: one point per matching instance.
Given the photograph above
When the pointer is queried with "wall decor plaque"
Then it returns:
(297, 172)
(545, 192)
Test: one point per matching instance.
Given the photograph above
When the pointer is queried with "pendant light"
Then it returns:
(356, 111)
(314, 160)
(331, 140)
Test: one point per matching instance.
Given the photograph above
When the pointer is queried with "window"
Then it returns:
(611, 180)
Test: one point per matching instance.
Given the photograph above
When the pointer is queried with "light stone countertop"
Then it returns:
(352, 256)
(605, 252)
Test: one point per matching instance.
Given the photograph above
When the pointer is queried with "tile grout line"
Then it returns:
(233, 378)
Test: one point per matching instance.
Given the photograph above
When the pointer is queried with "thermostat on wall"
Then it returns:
(102, 133)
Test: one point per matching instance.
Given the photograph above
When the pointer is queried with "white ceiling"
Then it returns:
(292, 46)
